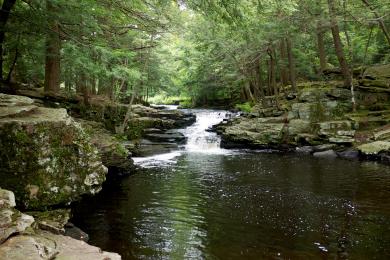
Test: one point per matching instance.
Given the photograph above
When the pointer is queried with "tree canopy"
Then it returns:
(199, 50)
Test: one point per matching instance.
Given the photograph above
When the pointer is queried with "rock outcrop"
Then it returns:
(314, 117)
(115, 155)
(20, 239)
(141, 117)
(320, 114)
(46, 157)
(376, 79)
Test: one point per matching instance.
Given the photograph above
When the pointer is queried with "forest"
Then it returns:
(194, 129)
(195, 51)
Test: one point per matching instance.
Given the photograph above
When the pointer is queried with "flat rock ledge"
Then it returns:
(20, 239)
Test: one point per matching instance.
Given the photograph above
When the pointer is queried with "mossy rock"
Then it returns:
(47, 159)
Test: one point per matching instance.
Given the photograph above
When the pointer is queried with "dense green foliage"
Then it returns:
(205, 51)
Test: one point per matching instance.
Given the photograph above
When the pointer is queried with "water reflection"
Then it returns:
(245, 206)
(203, 202)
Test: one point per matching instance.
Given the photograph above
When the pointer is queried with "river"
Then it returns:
(204, 202)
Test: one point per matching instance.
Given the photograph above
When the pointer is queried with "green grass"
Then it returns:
(245, 107)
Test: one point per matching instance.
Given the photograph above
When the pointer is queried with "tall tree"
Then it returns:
(379, 19)
(53, 56)
(4, 15)
(338, 45)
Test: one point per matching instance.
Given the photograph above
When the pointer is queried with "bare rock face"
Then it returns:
(46, 245)
(19, 241)
(45, 156)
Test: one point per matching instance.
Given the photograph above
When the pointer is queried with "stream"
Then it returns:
(204, 202)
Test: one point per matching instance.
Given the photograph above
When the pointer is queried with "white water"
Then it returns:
(198, 140)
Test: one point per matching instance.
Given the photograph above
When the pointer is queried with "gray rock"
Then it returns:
(46, 245)
(304, 149)
(74, 232)
(339, 93)
(382, 135)
(254, 131)
(349, 154)
(323, 147)
(167, 137)
(113, 152)
(326, 154)
(374, 148)
(15, 105)
(53, 220)
(298, 126)
(46, 157)
(302, 110)
(11, 222)
(7, 199)
(341, 140)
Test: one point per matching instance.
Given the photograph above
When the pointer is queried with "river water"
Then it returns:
(204, 202)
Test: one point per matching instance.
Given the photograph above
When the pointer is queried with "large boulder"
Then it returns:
(46, 157)
(255, 132)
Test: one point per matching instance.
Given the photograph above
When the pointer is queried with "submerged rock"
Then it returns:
(46, 157)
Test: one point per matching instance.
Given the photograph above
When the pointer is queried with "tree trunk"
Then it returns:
(52, 64)
(4, 15)
(13, 64)
(283, 69)
(381, 23)
(121, 128)
(249, 92)
(338, 45)
(260, 84)
(272, 71)
(321, 47)
(291, 64)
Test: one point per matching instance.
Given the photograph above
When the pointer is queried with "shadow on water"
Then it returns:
(244, 206)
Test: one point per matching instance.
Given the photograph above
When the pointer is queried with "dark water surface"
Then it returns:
(244, 206)
(204, 202)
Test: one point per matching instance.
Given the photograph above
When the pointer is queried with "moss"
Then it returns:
(53, 155)
(317, 112)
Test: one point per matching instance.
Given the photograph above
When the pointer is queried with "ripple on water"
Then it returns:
(188, 204)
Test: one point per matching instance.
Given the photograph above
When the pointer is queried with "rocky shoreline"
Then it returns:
(319, 120)
(50, 159)
(53, 154)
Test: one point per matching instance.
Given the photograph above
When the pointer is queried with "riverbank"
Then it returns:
(205, 202)
(50, 159)
(319, 119)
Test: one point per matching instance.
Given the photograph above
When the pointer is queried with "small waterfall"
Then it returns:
(200, 140)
